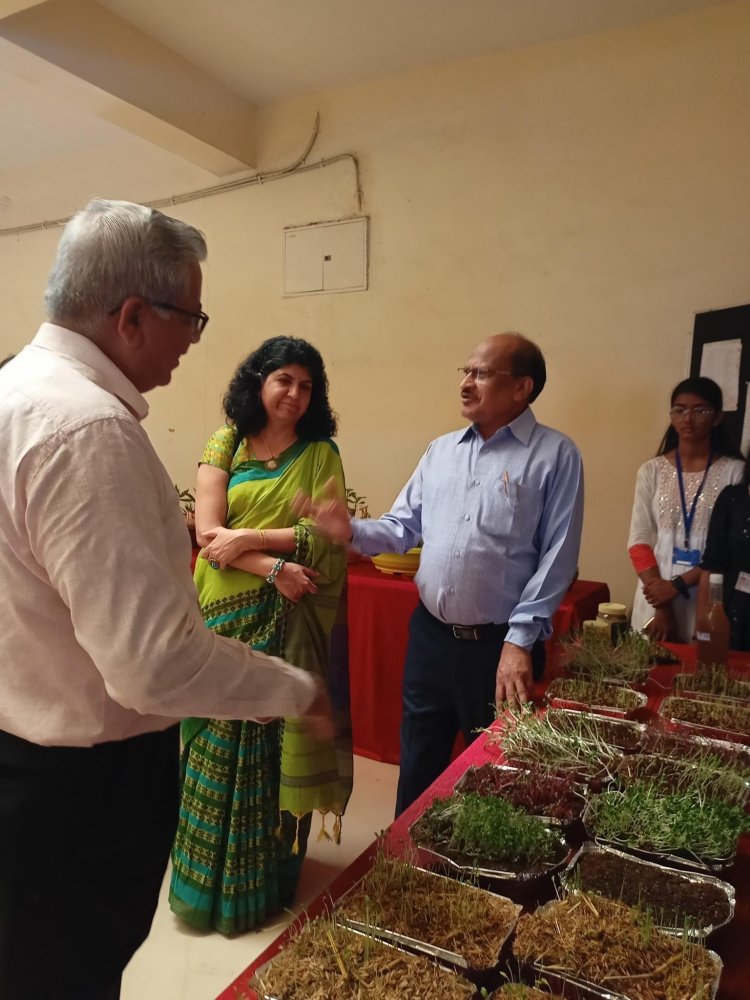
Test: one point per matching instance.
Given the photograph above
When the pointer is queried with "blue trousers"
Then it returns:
(449, 687)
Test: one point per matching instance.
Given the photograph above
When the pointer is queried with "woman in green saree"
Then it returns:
(250, 787)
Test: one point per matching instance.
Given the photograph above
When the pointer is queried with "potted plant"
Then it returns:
(357, 507)
(187, 506)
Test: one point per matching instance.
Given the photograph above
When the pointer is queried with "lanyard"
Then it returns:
(689, 517)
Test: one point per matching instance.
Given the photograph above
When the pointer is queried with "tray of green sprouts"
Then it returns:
(719, 718)
(682, 828)
(570, 743)
(710, 780)
(489, 838)
(712, 681)
(591, 655)
(720, 754)
(598, 697)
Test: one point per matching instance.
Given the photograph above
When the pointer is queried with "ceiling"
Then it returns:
(243, 53)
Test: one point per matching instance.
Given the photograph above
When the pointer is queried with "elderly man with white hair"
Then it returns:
(102, 647)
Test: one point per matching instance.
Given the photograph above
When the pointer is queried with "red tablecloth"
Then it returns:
(730, 942)
(380, 606)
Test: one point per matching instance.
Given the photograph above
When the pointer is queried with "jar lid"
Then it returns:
(612, 609)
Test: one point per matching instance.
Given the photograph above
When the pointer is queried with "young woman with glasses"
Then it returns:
(674, 495)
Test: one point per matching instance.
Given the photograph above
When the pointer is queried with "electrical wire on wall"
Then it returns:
(298, 167)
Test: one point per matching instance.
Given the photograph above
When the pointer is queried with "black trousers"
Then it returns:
(449, 687)
(85, 836)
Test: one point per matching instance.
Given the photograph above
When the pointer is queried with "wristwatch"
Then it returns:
(680, 586)
(277, 567)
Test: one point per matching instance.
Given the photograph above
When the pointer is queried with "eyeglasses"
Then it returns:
(699, 412)
(199, 318)
(482, 374)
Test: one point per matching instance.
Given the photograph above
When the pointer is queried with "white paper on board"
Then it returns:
(745, 443)
(720, 361)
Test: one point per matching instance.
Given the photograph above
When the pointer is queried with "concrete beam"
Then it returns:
(103, 63)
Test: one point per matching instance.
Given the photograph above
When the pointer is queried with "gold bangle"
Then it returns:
(262, 537)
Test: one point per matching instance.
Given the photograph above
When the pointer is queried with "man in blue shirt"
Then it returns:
(499, 509)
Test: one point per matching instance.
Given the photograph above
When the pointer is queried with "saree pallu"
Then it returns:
(249, 790)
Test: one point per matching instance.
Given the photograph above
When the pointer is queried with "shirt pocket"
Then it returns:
(511, 511)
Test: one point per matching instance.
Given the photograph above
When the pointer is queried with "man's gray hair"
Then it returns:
(111, 250)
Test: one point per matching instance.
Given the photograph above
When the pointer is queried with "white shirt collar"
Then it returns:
(100, 369)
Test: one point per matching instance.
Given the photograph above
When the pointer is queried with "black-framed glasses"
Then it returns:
(699, 412)
(482, 374)
(200, 319)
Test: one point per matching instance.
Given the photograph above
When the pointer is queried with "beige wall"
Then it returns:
(592, 194)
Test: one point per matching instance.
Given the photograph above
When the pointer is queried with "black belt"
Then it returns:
(476, 632)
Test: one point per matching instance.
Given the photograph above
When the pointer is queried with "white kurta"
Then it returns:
(657, 520)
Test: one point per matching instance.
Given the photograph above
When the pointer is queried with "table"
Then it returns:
(380, 606)
(730, 941)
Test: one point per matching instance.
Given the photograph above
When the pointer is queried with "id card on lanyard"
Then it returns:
(685, 558)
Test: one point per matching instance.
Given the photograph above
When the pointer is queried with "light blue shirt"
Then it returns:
(500, 522)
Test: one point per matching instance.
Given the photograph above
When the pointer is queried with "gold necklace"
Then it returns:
(272, 462)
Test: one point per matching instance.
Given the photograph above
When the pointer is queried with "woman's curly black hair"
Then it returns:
(242, 403)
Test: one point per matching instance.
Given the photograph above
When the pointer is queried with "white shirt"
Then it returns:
(101, 636)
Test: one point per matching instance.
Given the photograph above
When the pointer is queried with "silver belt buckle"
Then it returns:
(464, 632)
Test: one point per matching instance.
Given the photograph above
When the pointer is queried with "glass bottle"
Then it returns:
(713, 644)
(616, 617)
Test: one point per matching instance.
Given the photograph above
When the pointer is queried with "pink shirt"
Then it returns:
(101, 636)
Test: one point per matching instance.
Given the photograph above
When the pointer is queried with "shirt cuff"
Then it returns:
(523, 635)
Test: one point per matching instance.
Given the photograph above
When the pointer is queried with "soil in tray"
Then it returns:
(673, 774)
(534, 790)
(593, 694)
(325, 961)
(673, 899)
(727, 716)
(440, 911)
(693, 748)
(612, 945)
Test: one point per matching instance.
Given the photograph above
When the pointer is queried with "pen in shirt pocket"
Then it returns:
(506, 480)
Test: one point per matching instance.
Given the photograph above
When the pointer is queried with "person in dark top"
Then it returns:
(728, 552)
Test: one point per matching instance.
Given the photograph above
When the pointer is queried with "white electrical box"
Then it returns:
(326, 257)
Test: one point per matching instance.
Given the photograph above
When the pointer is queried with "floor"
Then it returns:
(178, 963)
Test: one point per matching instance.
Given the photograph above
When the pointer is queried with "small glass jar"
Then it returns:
(615, 617)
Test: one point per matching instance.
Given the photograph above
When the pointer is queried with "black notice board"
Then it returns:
(726, 324)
